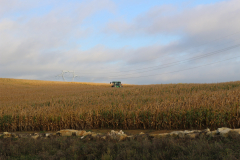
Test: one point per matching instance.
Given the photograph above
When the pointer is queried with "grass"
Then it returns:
(139, 148)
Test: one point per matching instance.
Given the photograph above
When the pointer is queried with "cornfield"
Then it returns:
(27, 105)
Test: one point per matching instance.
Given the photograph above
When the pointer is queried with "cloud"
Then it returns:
(194, 26)
(40, 46)
(164, 20)
(41, 35)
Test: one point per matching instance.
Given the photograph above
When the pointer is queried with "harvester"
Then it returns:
(116, 84)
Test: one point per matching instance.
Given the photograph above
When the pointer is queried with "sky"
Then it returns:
(133, 41)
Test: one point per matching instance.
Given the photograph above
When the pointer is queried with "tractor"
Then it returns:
(116, 84)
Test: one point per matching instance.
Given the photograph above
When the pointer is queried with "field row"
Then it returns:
(54, 106)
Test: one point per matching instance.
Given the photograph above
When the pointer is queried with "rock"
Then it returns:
(67, 132)
(186, 133)
(211, 133)
(112, 133)
(192, 135)
(234, 132)
(121, 132)
(35, 136)
(163, 135)
(122, 137)
(14, 135)
(103, 137)
(223, 131)
(117, 135)
(80, 133)
(24, 135)
(54, 134)
(219, 130)
(87, 133)
(48, 135)
(6, 135)
(94, 134)
(116, 132)
(206, 130)
(175, 133)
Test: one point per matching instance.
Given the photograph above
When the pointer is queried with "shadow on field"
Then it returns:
(140, 147)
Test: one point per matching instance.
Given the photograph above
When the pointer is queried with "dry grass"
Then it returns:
(27, 105)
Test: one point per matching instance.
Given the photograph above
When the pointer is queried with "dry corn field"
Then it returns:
(27, 105)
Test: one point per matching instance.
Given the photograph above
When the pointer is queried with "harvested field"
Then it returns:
(27, 105)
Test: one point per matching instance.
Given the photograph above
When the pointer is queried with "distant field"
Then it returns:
(27, 105)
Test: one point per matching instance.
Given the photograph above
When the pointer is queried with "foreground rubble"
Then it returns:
(121, 136)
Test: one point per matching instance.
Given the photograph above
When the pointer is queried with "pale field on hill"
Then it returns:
(27, 105)
(20, 91)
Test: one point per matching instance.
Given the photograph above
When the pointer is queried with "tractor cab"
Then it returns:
(116, 84)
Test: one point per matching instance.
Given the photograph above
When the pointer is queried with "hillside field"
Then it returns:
(29, 105)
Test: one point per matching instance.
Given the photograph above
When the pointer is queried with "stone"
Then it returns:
(181, 134)
(48, 134)
(175, 133)
(112, 133)
(80, 133)
(234, 132)
(212, 133)
(161, 135)
(122, 137)
(103, 137)
(7, 135)
(94, 134)
(219, 130)
(14, 135)
(54, 134)
(24, 135)
(87, 133)
(192, 135)
(188, 132)
(120, 132)
(67, 132)
(35, 136)
(117, 135)
(206, 130)
(223, 131)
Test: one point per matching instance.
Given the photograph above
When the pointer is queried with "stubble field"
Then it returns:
(27, 105)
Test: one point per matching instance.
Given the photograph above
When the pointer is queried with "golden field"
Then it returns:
(27, 105)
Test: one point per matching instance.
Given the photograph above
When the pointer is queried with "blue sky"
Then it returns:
(129, 10)
(105, 39)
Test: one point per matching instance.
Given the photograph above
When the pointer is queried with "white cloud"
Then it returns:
(40, 46)
(210, 18)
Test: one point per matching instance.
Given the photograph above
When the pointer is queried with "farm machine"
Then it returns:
(116, 84)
